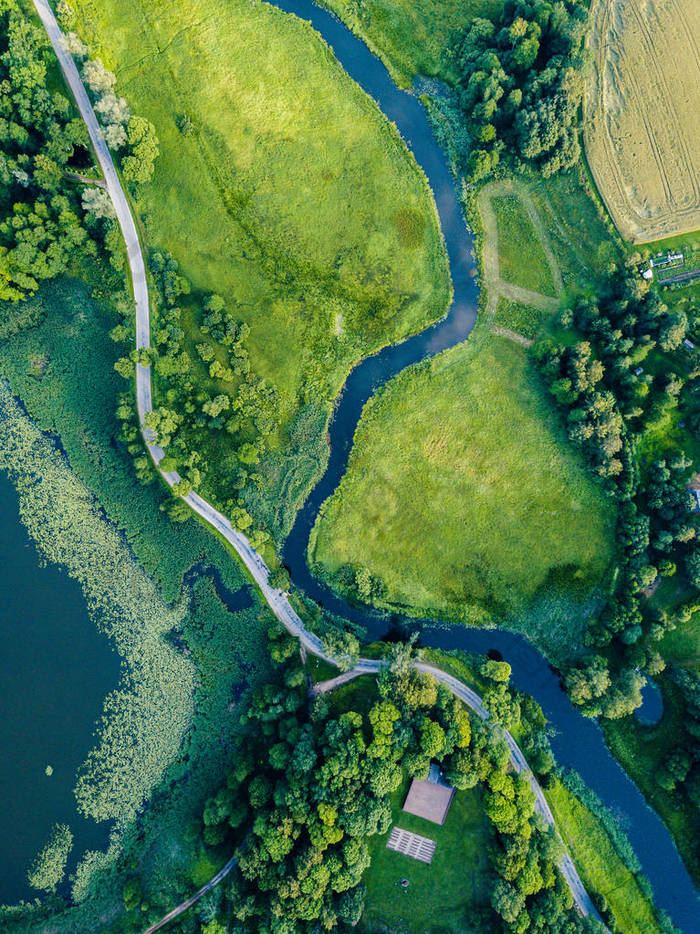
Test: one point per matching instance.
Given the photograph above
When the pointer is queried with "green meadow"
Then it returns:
(521, 257)
(601, 868)
(288, 193)
(442, 895)
(462, 495)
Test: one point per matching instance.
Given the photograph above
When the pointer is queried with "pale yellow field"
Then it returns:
(642, 119)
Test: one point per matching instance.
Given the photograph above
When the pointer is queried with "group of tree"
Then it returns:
(521, 84)
(309, 786)
(230, 407)
(609, 404)
(41, 220)
(681, 768)
(132, 137)
(48, 220)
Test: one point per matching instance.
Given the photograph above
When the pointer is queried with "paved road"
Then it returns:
(277, 599)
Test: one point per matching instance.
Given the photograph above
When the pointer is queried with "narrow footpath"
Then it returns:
(276, 599)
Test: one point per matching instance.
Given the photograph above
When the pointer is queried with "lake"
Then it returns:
(55, 670)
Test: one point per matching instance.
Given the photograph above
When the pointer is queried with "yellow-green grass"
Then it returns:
(599, 864)
(682, 646)
(462, 493)
(441, 896)
(412, 36)
(642, 750)
(523, 319)
(294, 198)
(521, 257)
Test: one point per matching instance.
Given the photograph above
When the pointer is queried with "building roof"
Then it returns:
(429, 799)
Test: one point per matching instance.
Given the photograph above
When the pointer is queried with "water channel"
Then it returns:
(578, 742)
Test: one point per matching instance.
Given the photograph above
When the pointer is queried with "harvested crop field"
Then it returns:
(642, 127)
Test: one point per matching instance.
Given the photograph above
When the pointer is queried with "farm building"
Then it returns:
(430, 798)
(694, 487)
(666, 259)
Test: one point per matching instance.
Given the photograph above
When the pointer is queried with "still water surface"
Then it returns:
(55, 670)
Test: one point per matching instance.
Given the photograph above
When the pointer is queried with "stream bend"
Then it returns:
(578, 742)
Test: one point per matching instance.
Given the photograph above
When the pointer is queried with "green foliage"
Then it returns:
(49, 867)
(521, 85)
(411, 36)
(41, 225)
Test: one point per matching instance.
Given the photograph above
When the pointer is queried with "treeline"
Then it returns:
(310, 786)
(41, 220)
(680, 771)
(521, 85)
(609, 403)
(205, 395)
(47, 220)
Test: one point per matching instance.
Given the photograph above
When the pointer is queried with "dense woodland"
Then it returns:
(521, 85)
(47, 216)
(309, 786)
(624, 372)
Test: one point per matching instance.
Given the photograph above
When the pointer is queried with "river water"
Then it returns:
(55, 669)
(578, 742)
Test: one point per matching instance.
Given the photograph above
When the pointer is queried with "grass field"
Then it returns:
(439, 897)
(642, 122)
(411, 36)
(522, 259)
(293, 198)
(601, 868)
(581, 243)
(523, 319)
(461, 492)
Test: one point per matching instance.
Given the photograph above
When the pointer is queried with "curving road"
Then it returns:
(276, 599)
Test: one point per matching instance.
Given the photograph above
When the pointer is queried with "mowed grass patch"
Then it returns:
(599, 864)
(292, 196)
(522, 259)
(441, 896)
(523, 319)
(462, 491)
(412, 36)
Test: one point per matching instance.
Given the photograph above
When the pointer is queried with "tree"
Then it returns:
(143, 145)
(96, 201)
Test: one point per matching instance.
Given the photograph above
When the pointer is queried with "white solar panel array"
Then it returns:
(411, 844)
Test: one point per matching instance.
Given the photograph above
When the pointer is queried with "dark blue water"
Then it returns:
(579, 742)
(55, 670)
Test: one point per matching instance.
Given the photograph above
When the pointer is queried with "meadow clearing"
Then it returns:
(642, 123)
(279, 186)
(450, 889)
(462, 495)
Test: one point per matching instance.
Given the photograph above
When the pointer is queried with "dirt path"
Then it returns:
(495, 285)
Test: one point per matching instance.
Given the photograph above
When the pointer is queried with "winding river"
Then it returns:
(578, 742)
